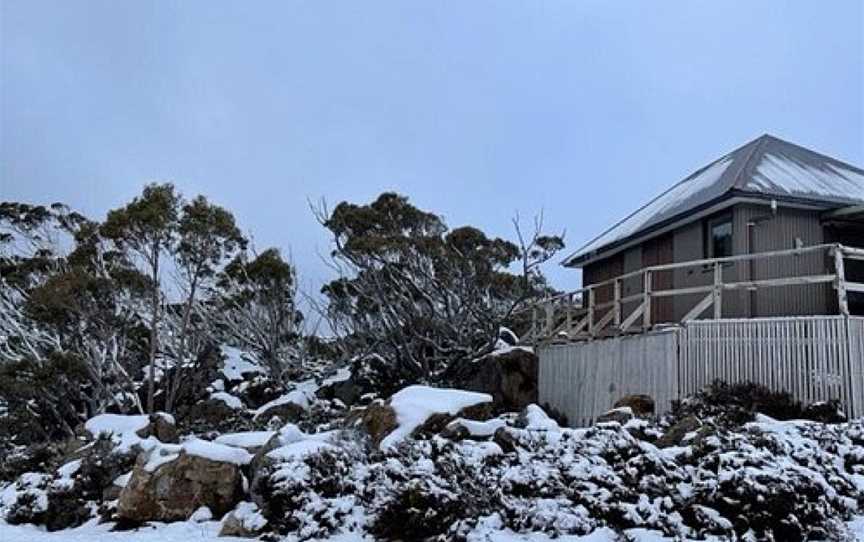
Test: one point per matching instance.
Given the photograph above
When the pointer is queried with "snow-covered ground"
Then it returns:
(188, 531)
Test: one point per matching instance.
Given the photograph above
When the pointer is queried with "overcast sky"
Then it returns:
(473, 109)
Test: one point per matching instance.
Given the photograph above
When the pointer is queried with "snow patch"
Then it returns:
(415, 404)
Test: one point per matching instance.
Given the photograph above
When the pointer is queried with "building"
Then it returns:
(763, 239)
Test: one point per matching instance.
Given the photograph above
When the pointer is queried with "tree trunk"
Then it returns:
(154, 324)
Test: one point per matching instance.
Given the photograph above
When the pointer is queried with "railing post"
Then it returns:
(617, 307)
(840, 281)
(591, 302)
(646, 299)
(718, 290)
(550, 319)
(569, 314)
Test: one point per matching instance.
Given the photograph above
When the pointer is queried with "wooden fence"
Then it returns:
(813, 358)
(580, 315)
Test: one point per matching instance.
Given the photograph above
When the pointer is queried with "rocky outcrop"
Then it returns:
(509, 376)
(173, 490)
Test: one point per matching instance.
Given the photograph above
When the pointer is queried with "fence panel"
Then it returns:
(812, 358)
(583, 380)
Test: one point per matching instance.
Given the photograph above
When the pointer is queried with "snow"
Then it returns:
(230, 400)
(298, 450)
(415, 404)
(201, 515)
(537, 420)
(478, 429)
(217, 452)
(184, 531)
(122, 429)
(300, 398)
(249, 516)
(247, 439)
(778, 173)
(166, 453)
(238, 362)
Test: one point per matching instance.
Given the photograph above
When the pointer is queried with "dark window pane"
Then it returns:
(721, 239)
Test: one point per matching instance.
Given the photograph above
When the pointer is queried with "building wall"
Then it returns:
(788, 229)
(785, 230)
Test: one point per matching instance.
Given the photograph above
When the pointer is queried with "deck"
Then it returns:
(593, 353)
(584, 315)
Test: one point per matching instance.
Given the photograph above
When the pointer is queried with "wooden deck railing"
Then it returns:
(578, 315)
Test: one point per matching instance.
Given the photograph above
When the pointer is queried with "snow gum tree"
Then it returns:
(207, 237)
(419, 293)
(147, 226)
(259, 309)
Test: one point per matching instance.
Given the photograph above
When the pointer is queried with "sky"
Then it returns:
(474, 110)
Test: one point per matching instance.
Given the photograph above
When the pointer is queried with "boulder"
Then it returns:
(677, 431)
(162, 427)
(212, 415)
(620, 415)
(824, 412)
(641, 405)
(509, 376)
(174, 490)
(287, 412)
(377, 420)
(506, 440)
(245, 521)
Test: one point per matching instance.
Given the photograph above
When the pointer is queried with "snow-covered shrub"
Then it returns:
(309, 493)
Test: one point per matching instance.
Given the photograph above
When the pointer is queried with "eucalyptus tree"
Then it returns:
(147, 227)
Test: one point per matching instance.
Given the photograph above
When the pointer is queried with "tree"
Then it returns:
(419, 292)
(207, 237)
(259, 309)
(147, 226)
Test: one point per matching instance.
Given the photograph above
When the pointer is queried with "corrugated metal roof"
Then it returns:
(766, 167)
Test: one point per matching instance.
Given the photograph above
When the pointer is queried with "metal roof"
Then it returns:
(766, 167)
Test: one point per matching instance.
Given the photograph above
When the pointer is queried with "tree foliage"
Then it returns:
(424, 295)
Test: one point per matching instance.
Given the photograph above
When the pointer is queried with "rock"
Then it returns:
(162, 427)
(377, 420)
(370, 376)
(680, 429)
(505, 440)
(509, 376)
(212, 415)
(620, 415)
(245, 521)
(824, 412)
(641, 405)
(174, 490)
(287, 412)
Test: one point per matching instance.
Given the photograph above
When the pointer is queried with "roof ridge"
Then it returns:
(759, 143)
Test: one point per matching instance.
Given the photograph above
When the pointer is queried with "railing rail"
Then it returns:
(577, 315)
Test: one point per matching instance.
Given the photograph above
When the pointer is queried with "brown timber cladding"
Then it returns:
(786, 229)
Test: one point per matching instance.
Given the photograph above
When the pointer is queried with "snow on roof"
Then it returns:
(415, 404)
(765, 167)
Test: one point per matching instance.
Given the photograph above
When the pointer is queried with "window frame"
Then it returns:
(710, 225)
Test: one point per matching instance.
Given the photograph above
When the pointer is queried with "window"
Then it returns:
(719, 237)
